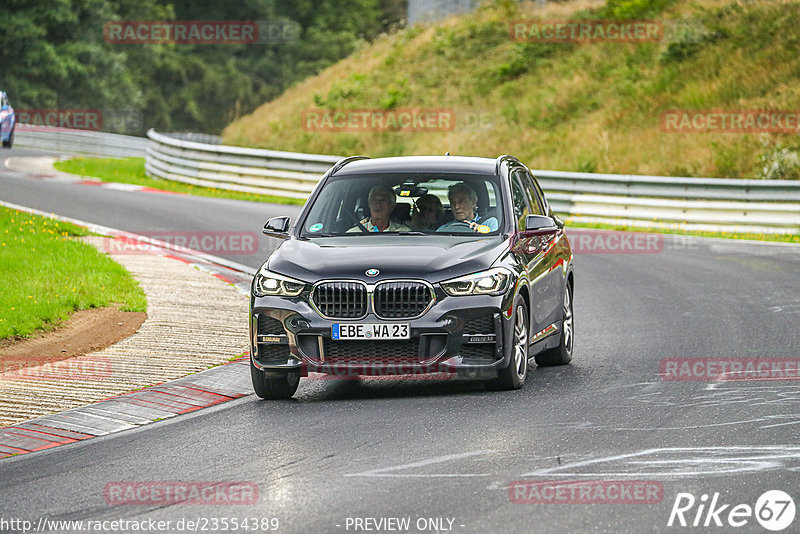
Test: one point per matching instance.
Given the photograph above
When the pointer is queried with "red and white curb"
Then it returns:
(125, 187)
(207, 388)
(51, 175)
(130, 410)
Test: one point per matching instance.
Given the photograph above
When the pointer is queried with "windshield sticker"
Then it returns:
(315, 227)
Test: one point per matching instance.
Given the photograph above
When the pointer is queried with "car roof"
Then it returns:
(425, 164)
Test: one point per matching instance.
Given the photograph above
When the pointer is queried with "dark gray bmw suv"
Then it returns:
(412, 265)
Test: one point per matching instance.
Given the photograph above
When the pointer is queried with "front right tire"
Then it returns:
(281, 385)
(514, 374)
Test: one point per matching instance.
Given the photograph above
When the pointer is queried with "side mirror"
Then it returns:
(539, 232)
(277, 227)
(540, 223)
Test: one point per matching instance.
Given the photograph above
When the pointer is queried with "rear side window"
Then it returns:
(537, 193)
(530, 193)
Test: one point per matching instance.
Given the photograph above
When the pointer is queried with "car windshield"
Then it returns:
(418, 204)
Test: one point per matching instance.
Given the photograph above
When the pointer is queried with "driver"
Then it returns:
(381, 202)
(463, 204)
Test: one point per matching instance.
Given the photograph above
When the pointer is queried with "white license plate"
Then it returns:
(370, 331)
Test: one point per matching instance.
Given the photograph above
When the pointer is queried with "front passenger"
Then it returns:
(381, 202)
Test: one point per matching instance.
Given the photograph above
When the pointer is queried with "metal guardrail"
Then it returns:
(629, 185)
(209, 139)
(79, 142)
(267, 172)
(714, 204)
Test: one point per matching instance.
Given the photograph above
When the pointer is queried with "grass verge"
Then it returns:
(131, 171)
(46, 274)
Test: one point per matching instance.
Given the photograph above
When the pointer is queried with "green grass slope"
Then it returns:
(592, 107)
(46, 274)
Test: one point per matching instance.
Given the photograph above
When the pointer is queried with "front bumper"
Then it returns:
(463, 336)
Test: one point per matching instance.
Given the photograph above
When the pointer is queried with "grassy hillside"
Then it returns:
(589, 106)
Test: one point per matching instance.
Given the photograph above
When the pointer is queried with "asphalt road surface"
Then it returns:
(154, 214)
(368, 455)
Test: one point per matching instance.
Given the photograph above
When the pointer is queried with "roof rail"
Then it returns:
(342, 162)
(501, 159)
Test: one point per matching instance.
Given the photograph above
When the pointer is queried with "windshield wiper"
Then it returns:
(412, 232)
(462, 234)
(350, 234)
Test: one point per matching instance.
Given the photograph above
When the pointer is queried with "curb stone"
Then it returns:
(196, 319)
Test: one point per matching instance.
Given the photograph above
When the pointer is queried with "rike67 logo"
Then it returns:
(774, 510)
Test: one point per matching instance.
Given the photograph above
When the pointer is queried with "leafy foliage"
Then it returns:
(53, 55)
(633, 9)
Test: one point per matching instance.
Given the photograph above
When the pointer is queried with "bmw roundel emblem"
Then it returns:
(372, 272)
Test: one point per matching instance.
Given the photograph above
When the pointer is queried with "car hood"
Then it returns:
(433, 258)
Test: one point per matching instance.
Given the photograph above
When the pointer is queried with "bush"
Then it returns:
(634, 9)
(780, 164)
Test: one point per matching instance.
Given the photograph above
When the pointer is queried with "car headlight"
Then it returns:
(492, 282)
(273, 284)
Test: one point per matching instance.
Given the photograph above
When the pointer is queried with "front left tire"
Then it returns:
(280, 385)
